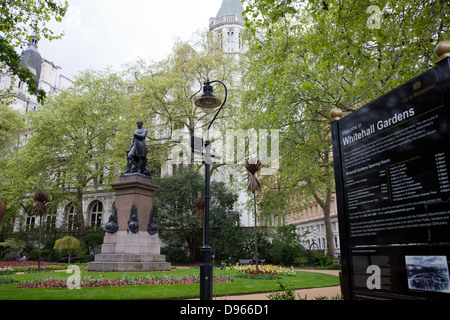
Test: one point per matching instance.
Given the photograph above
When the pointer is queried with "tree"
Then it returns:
(253, 186)
(73, 144)
(286, 245)
(39, 208)
(13, 244)
(226, 235)
(164, 92)
(12, 126)
(305, 59)
(179, 221)
(17, 20)
(68, 243)
(172, 206)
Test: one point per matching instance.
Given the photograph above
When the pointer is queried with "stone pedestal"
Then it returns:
(125, 250)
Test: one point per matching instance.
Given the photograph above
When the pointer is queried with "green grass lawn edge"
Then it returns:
(301, 280)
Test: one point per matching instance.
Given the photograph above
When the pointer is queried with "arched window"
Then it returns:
(96, 214)
(71, 218)
(30, 223)
(51, 220)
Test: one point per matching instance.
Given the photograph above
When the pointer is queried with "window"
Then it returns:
(71, 219)
(230, 37)
(96, 215)
(30, 223)
(51, 222)
(336, 243)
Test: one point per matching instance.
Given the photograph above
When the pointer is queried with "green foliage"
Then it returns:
(73, 142)
(284, 294)
(226, 235)
(172, 206)
(286, 246)
(316, 259)
(17, 20)
(94, 238)
(181, 226)
(306, 58)
(12, 244)
(67, 242)
(264, 246)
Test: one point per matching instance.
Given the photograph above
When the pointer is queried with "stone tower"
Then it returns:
(228, 25)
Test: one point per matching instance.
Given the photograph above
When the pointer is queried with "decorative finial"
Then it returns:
(336, 114)
(443, 49)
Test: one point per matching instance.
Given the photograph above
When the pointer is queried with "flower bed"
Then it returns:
(269, 268)
(6, 270)
(124, 281)
(30, 266)
(260, 275)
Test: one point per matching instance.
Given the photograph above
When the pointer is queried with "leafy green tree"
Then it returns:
(286, 245)
(264, 246)
(305, 59)
(226, 235)
(181, 224)
(12, 126)
(13, 244)
(17, 20)
(172, 206)
(69, 243)
(72, 145)
(164, 91)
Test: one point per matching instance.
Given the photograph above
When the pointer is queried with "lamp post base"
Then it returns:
(206, 274)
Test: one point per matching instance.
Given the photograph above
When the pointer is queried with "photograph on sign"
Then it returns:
(428, 273)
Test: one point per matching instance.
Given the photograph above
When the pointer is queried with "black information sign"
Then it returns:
(392, 166)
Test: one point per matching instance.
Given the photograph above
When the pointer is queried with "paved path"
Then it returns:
(310, 294)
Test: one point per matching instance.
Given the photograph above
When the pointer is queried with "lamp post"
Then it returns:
(208, 102)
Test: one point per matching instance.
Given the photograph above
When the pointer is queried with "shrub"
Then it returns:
(316, 259)
(69, 243)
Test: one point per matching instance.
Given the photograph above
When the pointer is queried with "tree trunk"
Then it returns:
(80, 217)
(256, 234)
(2, 211)
(325, 204)
(327, 221)
(39, 247)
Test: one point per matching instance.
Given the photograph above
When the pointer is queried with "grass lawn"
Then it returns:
(11, 292)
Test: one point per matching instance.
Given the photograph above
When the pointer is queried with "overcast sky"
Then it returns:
(101, 33)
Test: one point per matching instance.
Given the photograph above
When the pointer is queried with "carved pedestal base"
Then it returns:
(131, 247)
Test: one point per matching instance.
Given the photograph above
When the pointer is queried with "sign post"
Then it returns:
(392, 171)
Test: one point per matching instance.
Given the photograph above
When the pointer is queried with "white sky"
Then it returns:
(100, 33)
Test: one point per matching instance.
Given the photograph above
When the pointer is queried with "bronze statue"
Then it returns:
(137, 153)
(133, 224)
(111, 226)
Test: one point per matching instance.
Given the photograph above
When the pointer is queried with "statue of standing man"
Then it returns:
(137, 153)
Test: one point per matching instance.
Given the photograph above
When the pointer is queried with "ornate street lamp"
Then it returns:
(208, 102)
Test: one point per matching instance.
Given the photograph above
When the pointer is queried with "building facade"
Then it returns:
(310, 224)
(48, 77)
(228, 25)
